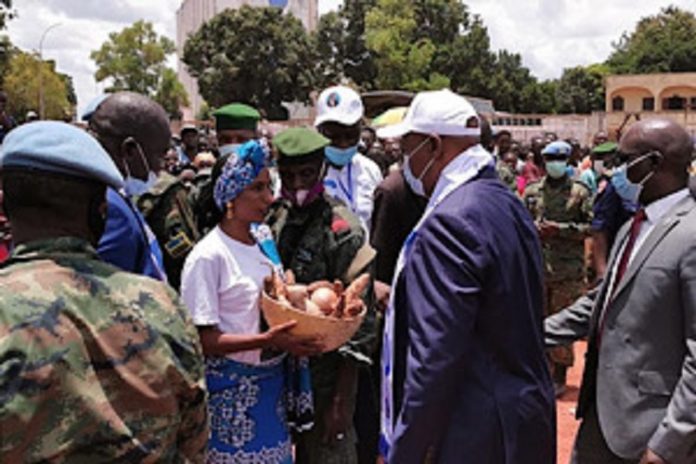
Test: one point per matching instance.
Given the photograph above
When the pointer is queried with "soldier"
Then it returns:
(235, 124)
(562, 210)
(97, 365)
(320, 239)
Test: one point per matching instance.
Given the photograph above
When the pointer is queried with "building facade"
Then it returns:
(193, 13)
(630, 98)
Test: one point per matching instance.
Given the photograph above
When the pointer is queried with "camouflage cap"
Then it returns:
(236, 116)
(299, 141)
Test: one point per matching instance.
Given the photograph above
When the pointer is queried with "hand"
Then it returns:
(337, 419)
(279, 337)
(651, 458)
(382, 294)
(547, 229)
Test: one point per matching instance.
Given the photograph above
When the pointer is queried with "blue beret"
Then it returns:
(58, 147)
(558, 148)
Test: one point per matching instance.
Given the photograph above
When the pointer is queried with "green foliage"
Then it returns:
(6, 52)
(26, 76)
(665, 42)
(403, 55)
(340, 44)
(257, 56)
(171, 94)
(135, 59)
(581, 89)
(6, 13)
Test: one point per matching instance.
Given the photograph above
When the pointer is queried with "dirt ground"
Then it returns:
(567, 426)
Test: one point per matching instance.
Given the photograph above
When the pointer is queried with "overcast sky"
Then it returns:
(550, 34)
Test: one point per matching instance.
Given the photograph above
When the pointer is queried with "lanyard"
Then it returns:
(348, 191)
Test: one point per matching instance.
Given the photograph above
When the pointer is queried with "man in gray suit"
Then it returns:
(638, 395)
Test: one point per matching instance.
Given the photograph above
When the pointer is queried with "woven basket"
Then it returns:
(333, 332)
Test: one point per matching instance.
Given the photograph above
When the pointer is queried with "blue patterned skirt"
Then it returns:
(253, 407)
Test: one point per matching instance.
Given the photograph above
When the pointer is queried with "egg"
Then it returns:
(325, 299)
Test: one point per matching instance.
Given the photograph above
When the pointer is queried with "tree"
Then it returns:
(512, 84)
(6, 12)
(340, 44)
(23, 82)
(171, 94)
(257, 56)
(581, 89)
(403, 54)
(135, 59)
(665, 42)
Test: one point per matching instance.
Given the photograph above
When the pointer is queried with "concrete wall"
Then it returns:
(193, 13)
(634, 88)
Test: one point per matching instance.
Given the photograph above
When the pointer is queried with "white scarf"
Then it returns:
(458, 172)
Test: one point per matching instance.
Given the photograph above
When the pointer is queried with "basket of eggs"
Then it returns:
(328, 311)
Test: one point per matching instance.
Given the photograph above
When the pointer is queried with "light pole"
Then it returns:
(41, 89)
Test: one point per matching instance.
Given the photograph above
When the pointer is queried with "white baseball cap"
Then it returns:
(440, 112)
(339, 104)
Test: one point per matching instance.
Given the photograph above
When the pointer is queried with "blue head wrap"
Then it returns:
(240, 170)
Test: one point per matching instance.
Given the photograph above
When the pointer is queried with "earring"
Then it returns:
(229, 211)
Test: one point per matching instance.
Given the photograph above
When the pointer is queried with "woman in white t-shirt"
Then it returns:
(251, 401)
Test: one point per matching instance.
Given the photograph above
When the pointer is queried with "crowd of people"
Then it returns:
(133, 265)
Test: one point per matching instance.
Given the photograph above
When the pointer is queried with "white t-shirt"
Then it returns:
(355, 186)
(221, 284)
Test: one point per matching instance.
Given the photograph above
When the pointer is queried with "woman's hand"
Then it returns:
(279, 337)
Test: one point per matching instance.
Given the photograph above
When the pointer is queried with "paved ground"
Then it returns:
(565, 407)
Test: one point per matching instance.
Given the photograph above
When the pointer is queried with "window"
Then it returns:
(674, 102)
(693, 103)
(648, 104)
(617, 104)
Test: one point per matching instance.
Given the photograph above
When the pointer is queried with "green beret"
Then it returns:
(236, 116)
(605, 148)
(299, 141)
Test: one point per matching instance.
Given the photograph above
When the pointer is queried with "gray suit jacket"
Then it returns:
(643, 374)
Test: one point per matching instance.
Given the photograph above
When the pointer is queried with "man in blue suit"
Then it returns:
(134, 130)
(465, 375)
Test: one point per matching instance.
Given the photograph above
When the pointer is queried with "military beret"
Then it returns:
(52, 146)
(558, 148)
(299, 141)
(605, 148)
(236, 116)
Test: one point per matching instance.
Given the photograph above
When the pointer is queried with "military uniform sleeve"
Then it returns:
(192, 437)
(353, 258)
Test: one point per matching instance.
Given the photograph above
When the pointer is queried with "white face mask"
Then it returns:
(598, 167)
(133, 186)
(229, 149)
(416, 183)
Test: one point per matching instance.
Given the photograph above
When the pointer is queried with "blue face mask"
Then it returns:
(340, 157)
(556, 169)
(627, 190)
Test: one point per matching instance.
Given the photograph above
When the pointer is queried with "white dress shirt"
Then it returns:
(355, 186)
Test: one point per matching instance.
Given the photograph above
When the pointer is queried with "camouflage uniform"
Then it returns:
(168, 211)
(569, 205)
(96, 365)
(507, 175)
(325, 241)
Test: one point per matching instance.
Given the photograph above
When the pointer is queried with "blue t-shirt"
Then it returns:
(611, 212)
(128, 242)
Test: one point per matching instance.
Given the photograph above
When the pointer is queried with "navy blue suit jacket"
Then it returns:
(470, 376)
(125, 242)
